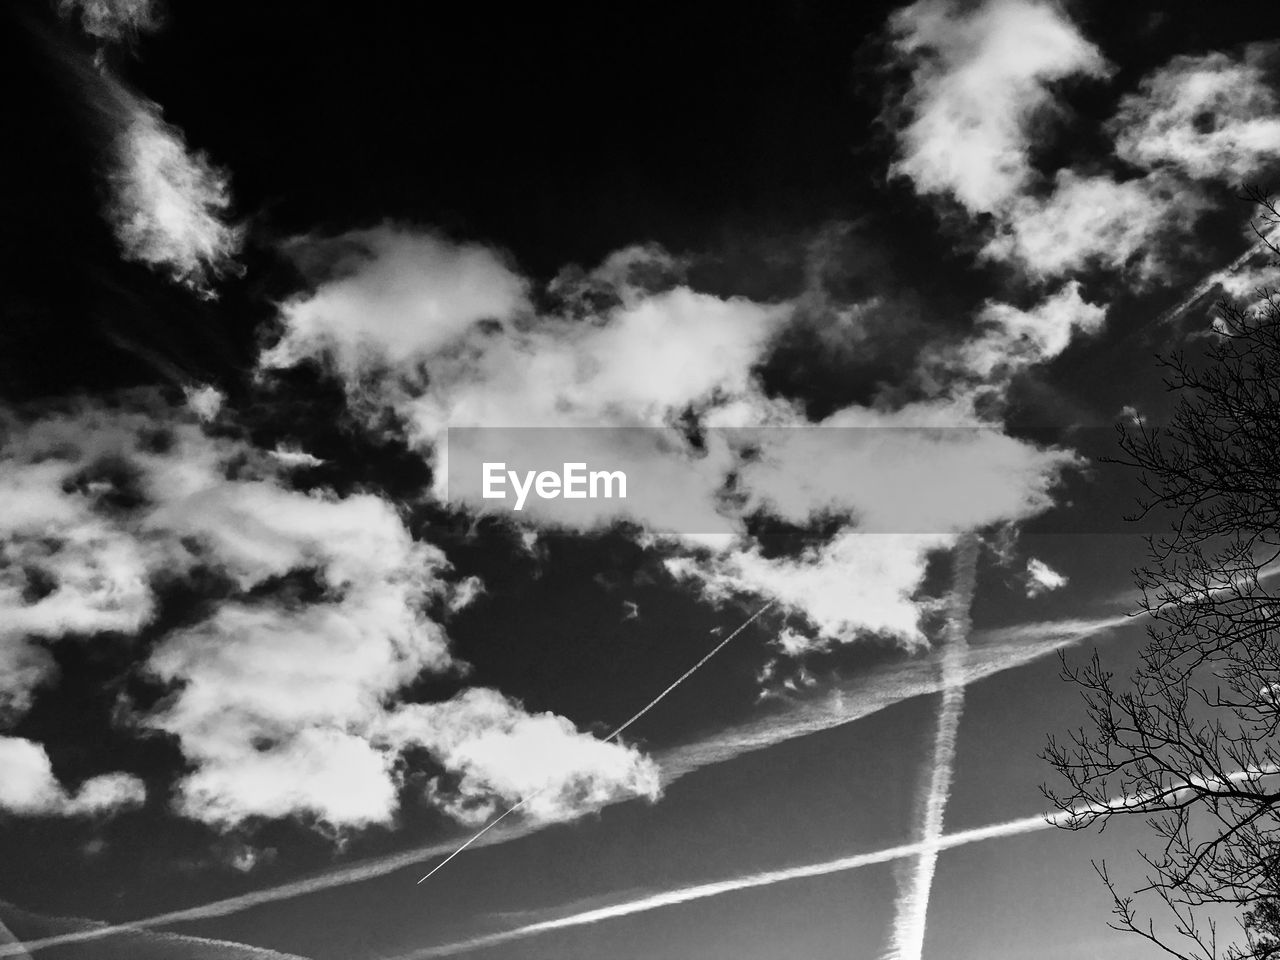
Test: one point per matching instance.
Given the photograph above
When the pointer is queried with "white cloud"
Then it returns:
(1008, 339)
(281, 694)
(931, 467)
(500, 753)
(1212, 117)
(168, 203)
(205, 400)
(393, 296)
(619, 355)
(29, 788)
(614, 355)
(854, 585)
(1092, 220)
(113, 20)
(981, 78)
(1042, 578)
(980, 96)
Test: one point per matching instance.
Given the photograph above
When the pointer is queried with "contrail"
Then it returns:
(613, 736)
(912, 908)
(9, 942)
(1201, 289)
(702, 891)
(1004, 649)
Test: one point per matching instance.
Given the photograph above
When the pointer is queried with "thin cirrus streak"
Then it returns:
(702, 891)
(912, 908)
(991, 652)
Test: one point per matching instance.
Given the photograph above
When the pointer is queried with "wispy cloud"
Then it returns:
(169, 205)
(1210, 117)
(113, 21)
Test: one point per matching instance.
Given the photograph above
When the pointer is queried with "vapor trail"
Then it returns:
(702, 891)
(912, 908)
(1010, 648)
(613, 736)
(9, 942)
(767, 878)
(1201, 289)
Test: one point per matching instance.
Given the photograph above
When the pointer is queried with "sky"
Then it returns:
(853, 295)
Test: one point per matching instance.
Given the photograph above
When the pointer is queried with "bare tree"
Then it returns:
(1191, 741)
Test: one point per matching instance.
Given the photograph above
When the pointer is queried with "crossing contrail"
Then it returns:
(912, 908)
(702, 891)
(996, 652)
(613, 736)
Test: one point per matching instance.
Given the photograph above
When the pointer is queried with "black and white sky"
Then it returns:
(854, 293)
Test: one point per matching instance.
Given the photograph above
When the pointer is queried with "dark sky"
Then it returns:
(751, 142)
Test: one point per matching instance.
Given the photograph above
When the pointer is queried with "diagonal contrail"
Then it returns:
(1208, 283)
(702, 891)
(613, 736)
(912, 908)
(1005, 649)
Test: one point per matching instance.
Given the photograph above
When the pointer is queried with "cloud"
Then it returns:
(121, 944)
(854, 585)
(981, 93)
(392, 297)
(1095, 220)
(498, 753)
(628, 346)
(678, 895)
(981, 79)
(912, 906)
(1008, 339)
(929, 467)
(1211, 117)
(168, 204)
(1042, 578)
(991, 652)
(29, 788)
(113, 20)
(280, 682)
(611, 353)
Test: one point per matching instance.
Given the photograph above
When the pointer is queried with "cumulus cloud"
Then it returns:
(1211, 117)
(980, 91)
(614, 354)
(168, 203)
(28, 786)
(1097, 220)
(278, 689)
(393, 296)
(631, 347)
(1042, 578)
(498, 753)
(855, 584)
